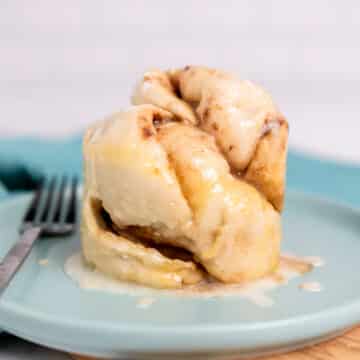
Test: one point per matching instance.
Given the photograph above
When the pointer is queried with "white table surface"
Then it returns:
(65, 64)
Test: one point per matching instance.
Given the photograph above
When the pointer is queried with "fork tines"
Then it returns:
(54, 202)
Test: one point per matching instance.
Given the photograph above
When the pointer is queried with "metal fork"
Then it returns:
(51, 213)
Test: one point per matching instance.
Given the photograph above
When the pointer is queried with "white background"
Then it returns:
(64, 64)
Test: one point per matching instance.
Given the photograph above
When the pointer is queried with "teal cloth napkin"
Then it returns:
(24, 160)
(331, 179)
(2, 191)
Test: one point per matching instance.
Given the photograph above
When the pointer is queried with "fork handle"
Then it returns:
(16, 256)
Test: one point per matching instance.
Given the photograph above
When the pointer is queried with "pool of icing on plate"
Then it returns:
(257, 292)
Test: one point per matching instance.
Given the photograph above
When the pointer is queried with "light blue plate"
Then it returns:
(43, 305)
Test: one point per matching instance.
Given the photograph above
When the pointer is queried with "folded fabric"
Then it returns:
(23, 161)
(330, 179)
(3, 191)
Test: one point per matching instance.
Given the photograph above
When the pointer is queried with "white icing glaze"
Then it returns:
(311, 286)
(145, 302)
(257, 292)
(315, 260)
